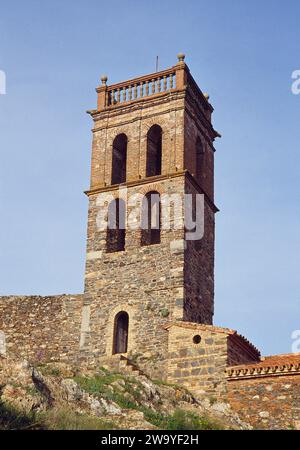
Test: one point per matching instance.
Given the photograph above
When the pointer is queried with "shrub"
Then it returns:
(183, 420)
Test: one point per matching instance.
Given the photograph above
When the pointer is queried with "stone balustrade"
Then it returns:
(174, 79)
(141, 87)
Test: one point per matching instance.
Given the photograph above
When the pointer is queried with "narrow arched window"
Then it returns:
(154, 146)
(119, 159)
(116, 221)
(151, 220)
(121, 326)
(199, 160)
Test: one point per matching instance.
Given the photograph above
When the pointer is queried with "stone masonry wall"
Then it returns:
(144, 281)
(199, 366)
(199, 267)
(267, 403)
(41, 328)
(150, 283)
(199, 354)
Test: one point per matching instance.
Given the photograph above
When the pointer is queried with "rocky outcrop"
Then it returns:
(121, 400)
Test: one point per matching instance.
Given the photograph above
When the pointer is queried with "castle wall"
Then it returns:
(41, 328)
(267, 403)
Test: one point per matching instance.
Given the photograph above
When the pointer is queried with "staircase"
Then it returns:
(120, 363)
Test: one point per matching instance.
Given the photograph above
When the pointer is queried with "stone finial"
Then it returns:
(104, 79)
(181, 57)
(206, 96)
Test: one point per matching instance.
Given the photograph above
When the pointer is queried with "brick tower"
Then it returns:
(152, 134)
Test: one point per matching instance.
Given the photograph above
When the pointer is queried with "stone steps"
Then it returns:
(121, 363)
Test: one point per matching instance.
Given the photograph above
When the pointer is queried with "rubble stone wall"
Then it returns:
(267, 402)
(41, 328)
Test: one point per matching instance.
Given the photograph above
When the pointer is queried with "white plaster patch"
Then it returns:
(85, 324)
(177, 246)
(94, 255)
(264, 414)
(2, 343)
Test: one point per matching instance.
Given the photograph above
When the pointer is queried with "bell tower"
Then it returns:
(152, 145)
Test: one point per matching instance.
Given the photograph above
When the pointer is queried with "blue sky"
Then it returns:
(242, 54)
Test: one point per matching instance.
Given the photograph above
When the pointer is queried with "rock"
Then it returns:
(110, 407)
(223, 408)
(264, 414)
(74, 393)
(30, 388)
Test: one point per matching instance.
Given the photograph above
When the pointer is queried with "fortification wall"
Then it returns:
(41, 328)
(271, 402)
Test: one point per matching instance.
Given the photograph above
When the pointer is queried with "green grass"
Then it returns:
(130, 397)
(101, 386)
(127, 394)
(52, 419)
(47, 370)
(180, 420)
(183, 420)
(98, 384)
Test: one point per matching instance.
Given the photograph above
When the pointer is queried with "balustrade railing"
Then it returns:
(175, 78)
(141, 87)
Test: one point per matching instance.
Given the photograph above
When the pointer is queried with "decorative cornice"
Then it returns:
(267, 367)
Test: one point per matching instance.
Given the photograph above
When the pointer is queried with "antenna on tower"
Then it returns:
(156, 68)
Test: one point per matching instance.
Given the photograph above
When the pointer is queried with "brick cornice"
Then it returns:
(155, 179)
(140, 103)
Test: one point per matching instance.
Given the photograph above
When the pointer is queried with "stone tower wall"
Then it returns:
(172, 280)
(145, 281)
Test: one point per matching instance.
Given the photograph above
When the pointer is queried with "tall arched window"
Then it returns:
(115, 236)
(151, 221)
(119, 159)
(199, 160)
(154, 145)
(121, 333)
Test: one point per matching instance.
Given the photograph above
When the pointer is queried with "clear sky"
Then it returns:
(242, 53)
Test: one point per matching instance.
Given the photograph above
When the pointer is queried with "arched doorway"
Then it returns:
(121, 333)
